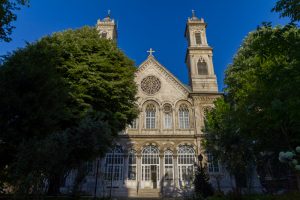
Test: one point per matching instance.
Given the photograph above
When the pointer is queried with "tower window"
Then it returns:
(104, 35)
(202, 67)
(198, 38)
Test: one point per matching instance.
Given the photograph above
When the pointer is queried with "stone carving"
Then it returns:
(150, 85)
(163, 71)
(167, 108)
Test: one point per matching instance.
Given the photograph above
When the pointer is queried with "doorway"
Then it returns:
(150, 168)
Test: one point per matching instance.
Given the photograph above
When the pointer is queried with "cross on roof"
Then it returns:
(150, 52)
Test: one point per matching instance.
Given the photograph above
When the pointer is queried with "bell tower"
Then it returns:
(107, 28)
(199, 57)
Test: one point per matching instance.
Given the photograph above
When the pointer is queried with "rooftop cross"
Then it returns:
(150, 52)
(108, 13)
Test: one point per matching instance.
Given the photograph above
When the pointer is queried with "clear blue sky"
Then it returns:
(143, 24)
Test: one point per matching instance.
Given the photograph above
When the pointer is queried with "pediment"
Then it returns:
(170, 87)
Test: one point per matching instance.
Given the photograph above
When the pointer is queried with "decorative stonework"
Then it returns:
(206, 99)
(150, 85)
(167, 108)
(163, 71)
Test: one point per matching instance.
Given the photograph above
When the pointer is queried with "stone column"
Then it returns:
(139, 172)
(161, 172)
(174, 123)
(159, 120)
(161, 166)
(125, 171)
(176, 175)
(141, 121)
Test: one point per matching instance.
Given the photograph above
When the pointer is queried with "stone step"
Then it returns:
(150, 193)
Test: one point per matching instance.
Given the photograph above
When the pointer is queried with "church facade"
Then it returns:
(158, 153)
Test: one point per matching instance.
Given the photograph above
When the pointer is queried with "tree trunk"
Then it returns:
(54, 185)
(81, 173)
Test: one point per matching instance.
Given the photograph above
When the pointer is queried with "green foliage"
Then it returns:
(202, 186)
(7, 16)
(263, 84)
(225, 141)
(261, 103)
(63, 99)
(288, 8)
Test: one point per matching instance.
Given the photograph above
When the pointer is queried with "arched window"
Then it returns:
(150, 164)
(202, 67)
(198, 38)
(168, 157)
(150, 116)
(104, 35)
(132, 165)
(186, 160)
(114, 162)
(184, 119)
(167, 116)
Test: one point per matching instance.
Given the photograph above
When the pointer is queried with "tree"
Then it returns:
(203, 188)
(263, 84)
(261, 104)
(63, 99)
(227, 143)
(288, 8)
(8, 15)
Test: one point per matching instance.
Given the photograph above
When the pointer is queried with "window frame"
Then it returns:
(150, 116)
(183, 117)
(213, 165)
(186, 160)
(114, 164)
(132, 165)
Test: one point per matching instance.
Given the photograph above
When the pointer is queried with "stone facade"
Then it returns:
(158, 153)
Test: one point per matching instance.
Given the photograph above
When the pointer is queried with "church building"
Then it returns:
(157, 154)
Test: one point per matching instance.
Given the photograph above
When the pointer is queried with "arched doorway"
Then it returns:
(150, 167)
(186, 161)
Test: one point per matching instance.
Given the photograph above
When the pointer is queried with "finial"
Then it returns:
(108, 13)
(150, 52)
(194, 17)
(193, 13)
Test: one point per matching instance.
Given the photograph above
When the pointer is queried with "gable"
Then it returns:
(156, 82)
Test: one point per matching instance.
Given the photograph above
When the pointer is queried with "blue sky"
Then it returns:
(158, 24)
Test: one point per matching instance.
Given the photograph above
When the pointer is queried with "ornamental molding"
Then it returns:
(164, 72)
(205, 99)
